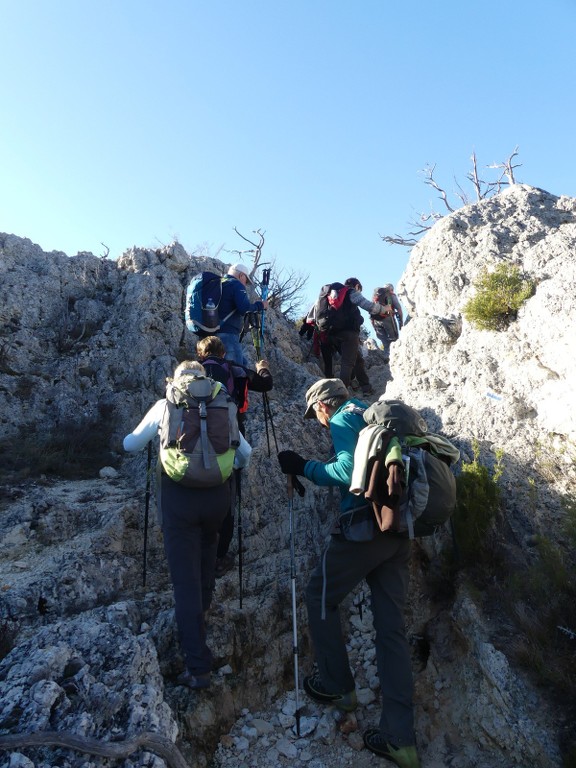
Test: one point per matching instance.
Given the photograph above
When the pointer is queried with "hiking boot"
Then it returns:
(223, 565)
(345, 701)
(195, 682)
(367, 390)
(405, 757)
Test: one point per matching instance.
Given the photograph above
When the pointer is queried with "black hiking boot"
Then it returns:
(313, 687)
(405, 757)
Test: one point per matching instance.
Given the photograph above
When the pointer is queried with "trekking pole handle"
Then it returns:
(293, 483)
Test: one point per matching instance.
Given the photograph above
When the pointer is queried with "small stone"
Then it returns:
(108, 473)
(262, 726)
(286, 748)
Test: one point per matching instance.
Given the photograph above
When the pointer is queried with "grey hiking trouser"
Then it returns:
(384, 563)
(191, 518)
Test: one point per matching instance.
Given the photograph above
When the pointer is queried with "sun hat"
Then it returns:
(323, 389)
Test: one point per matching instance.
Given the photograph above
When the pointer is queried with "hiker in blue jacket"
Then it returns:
(235, 302)
(383, 561)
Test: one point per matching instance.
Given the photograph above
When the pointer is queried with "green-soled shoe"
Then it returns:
(313, 686)
(405, 757)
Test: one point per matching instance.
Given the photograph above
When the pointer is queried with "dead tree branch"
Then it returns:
(431, 182)
(256, 251)
(482, 188)
(151, 742)
(507, 168)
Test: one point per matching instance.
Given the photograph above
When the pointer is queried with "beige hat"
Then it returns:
(323, 389)
(238, 268)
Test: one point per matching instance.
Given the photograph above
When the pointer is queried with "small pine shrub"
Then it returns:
(499, 296)
(478, 499)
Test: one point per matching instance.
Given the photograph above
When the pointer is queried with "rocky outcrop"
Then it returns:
(85, 346)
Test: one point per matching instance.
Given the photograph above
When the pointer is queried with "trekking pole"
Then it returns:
(268, 417)
(265, 288)
(290, 486)
(146, 513)
(239, 497)
(256, 336)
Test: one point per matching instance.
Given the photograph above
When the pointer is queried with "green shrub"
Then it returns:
(478, 499)
(499, 296)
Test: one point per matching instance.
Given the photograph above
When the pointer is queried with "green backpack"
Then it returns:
(424, 495)
(198, 432)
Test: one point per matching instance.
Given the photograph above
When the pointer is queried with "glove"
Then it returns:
(291, 463)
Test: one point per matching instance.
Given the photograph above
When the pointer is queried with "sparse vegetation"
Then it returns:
(543, 603)
(73, 450)
(478, 501)
(499, 296)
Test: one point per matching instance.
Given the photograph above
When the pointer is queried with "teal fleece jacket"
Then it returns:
(345, 426)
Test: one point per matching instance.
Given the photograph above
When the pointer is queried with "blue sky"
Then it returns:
(132, 122)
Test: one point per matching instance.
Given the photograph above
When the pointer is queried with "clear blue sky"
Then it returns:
(131, 122)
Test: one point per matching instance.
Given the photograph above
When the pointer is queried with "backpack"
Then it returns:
(203, 297)
(404, 470)
(198, 432)
(232, 376)
(335, 311)
(387, 324)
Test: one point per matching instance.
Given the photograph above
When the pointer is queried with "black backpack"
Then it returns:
(335, 311)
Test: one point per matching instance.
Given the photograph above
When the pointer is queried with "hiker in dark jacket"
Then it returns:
(190, 519)
(383, 562)
(343, 335)
(235, 302)
(374, 309)
(238, 380)
(387, 328)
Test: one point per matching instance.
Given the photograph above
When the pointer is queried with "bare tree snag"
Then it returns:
(150, 742)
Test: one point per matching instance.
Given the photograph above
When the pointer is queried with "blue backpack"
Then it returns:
(203, 297)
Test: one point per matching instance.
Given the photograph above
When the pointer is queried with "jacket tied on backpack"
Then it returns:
(199, 432)
(404, 471)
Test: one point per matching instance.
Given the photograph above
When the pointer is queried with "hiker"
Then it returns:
(236, 304)
(238, 380)
(338, 320)
(387, 328)
(190, 519)
(374, 309)
(383, 561)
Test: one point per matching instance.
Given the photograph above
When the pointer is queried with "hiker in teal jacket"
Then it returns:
(383, 560)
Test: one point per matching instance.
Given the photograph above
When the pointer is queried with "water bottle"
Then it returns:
(210, 314)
